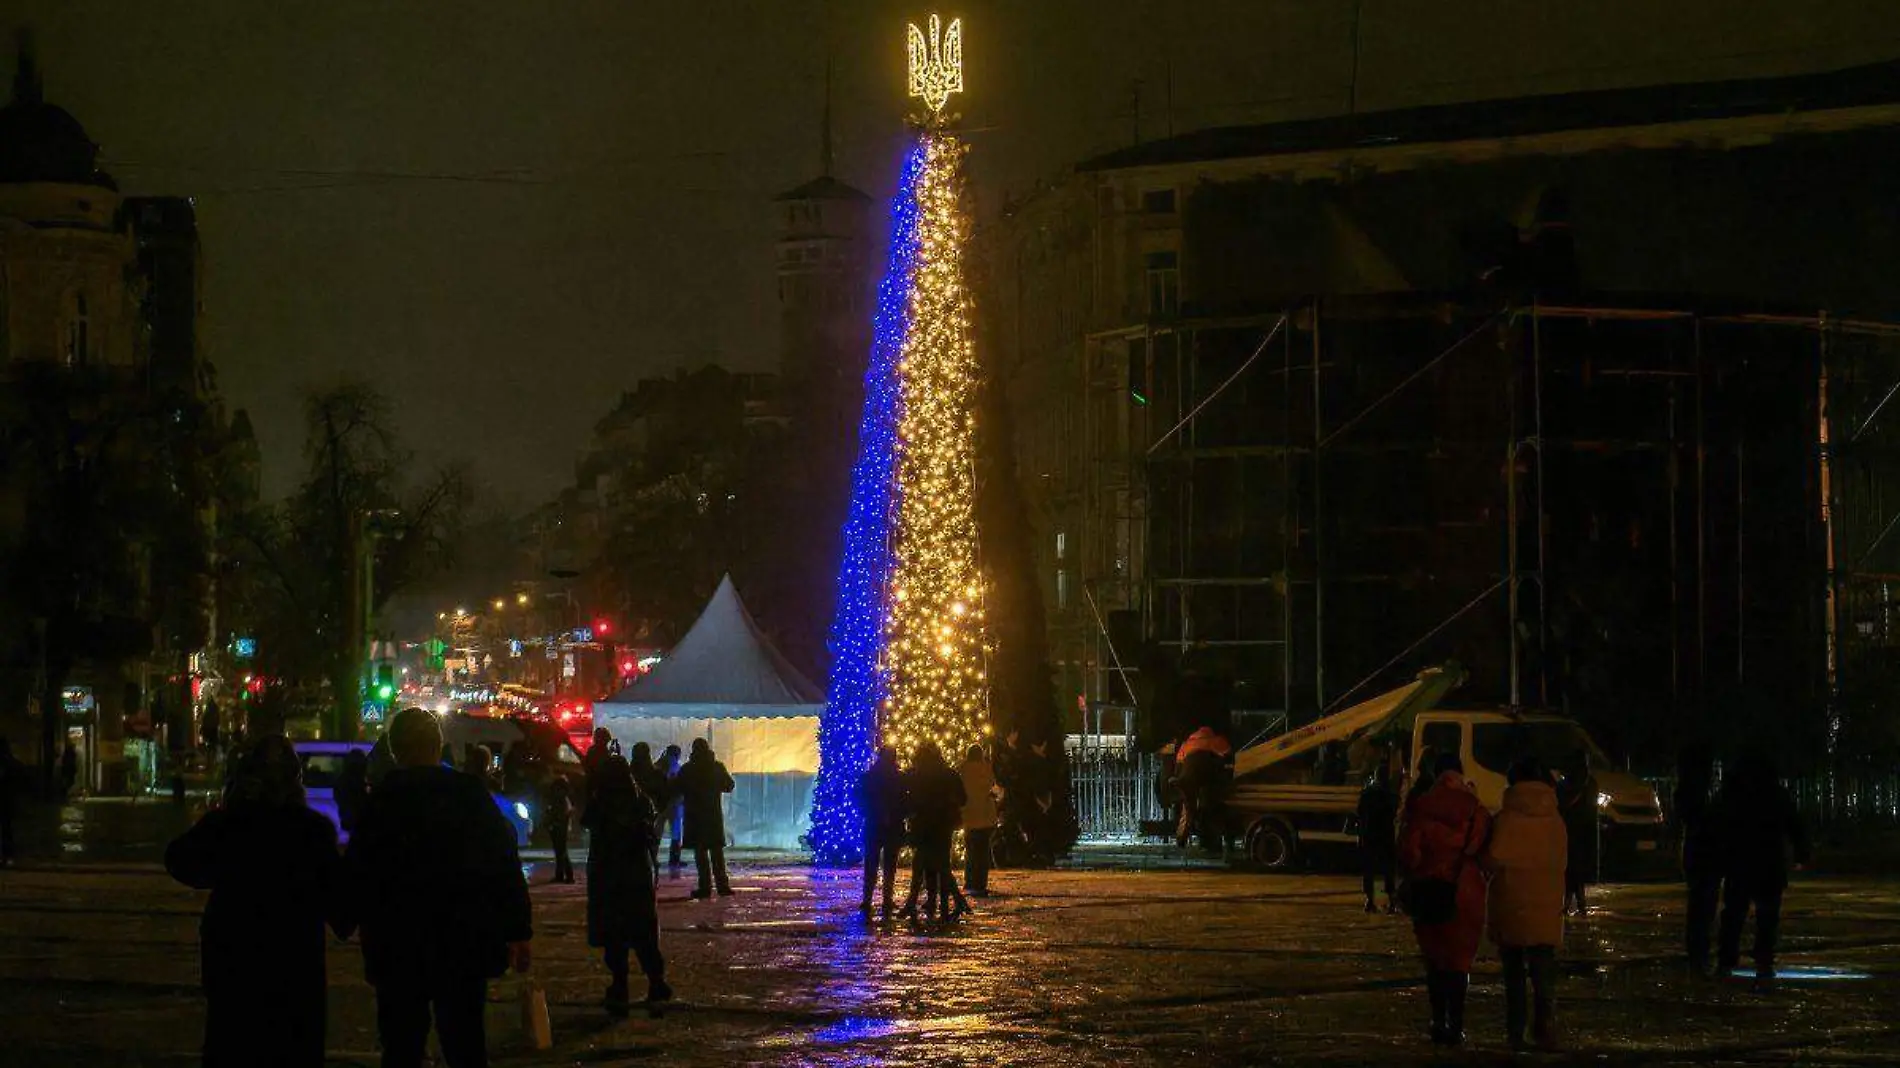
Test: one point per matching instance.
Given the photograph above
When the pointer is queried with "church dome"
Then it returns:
(42, 142)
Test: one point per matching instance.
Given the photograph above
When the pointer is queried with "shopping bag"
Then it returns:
(535, 1023)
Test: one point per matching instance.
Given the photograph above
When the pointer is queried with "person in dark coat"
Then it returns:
(1446, 828)
(12, 784)
(672, 813)
(597, 750)
(351, 789)
(560, 814)
(435, 884)
(934, 795)
(68, 770)
(1577, 797)
(271, 866)
(1762, 838)
(1701, 852)
(1378, 825)
(654, 786)
(700, 785)
(881, 799)
(622, 913)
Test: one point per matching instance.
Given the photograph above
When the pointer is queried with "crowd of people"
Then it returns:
(924, 806)
(1520, 873)
(432, 883)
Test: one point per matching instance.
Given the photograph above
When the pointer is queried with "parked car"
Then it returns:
(323, 761)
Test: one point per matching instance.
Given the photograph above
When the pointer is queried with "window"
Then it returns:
(320, 770)
(1440, 738)
(1062, 545)
(1062, 588)
(1157, 202)
(78, 334)
(1555, 744)
(1164, 283)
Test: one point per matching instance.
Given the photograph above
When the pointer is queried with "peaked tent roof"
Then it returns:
(724, 660)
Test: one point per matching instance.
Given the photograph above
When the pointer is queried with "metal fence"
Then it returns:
(1114, 792)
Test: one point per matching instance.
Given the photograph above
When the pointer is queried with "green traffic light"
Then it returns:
(385, 691)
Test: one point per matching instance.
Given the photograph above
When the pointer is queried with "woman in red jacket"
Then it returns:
(1445, 830)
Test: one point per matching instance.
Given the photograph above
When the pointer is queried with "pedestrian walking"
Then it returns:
(701, 783)
(1526, 858)
(934, 793)
(1577, 797)
(1445, 830)
(560, 813)
(881, 799)
(980, 794)
(1378, 816)
(673, 813)
(622, 913)
(1693, 806)
(435, 884)
(1762, 839)
(351, 789)
(271, 866)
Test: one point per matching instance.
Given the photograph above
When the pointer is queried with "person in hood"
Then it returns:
(1202, 775)
(1693, 806)
(1526, 857)
(701, 783)
(435, 884)
(882, 800)
(1762, 838)
(980, 794)
(622, 913)
(271, 866)
(1377, 817)
(1445, 830)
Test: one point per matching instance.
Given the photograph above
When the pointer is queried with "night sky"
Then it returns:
(505, 211)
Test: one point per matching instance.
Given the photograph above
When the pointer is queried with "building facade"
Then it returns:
(1541, 385)
(114, 434)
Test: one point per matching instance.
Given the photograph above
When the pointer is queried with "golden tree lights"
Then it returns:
(934, 635)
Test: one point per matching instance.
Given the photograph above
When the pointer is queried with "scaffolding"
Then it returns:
(1652, 515)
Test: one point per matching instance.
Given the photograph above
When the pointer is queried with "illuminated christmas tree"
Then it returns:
(908, 641)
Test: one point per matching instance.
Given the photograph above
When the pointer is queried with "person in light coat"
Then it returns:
(980, 793)
(1527, 855)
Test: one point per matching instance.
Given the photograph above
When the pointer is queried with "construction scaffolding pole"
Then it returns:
(1319, 535)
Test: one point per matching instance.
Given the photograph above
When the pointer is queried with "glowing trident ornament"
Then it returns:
(936, 63)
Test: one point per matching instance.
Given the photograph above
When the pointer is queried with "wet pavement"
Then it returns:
(98, 966)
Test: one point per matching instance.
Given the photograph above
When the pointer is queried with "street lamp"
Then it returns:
(521, 599)
(500, 604)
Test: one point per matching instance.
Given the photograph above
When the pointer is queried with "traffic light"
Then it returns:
(385, 690)
(601, 628)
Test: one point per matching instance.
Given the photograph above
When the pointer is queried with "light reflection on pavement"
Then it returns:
(98, 966)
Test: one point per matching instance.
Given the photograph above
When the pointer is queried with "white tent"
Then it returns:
(725, 683)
